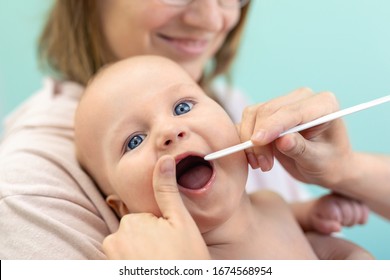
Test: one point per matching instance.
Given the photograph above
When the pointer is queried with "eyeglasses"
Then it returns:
(223, 3)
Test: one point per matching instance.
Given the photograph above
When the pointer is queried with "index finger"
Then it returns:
(302, 111)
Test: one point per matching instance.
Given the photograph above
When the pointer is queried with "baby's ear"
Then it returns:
(117, 205)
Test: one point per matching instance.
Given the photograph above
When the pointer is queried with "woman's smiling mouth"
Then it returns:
(186, 45)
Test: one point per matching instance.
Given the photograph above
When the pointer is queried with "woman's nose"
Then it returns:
(205, 14)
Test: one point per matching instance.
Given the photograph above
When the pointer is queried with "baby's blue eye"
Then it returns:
(135, 141)
(183, 108)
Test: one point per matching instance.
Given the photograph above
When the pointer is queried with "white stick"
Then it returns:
(321, 120)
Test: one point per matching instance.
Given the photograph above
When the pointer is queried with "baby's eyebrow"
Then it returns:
(181, 87)
(118, 133)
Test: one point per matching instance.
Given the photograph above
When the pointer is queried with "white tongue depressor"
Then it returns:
(321, 120)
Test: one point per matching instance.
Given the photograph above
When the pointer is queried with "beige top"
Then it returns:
(50, 208)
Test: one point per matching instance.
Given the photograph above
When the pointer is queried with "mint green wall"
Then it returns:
(20, 23)
(341, 46)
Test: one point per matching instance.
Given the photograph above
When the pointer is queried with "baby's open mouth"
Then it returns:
(193, 172)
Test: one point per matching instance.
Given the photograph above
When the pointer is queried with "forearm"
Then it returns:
(333, 248)
(366, 178)
(300, 211)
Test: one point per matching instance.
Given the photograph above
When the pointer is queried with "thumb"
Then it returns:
(305, 153)
(296, 146)
(166, 192)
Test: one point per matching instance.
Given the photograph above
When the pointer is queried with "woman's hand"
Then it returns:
(172, 236)
(316, 155)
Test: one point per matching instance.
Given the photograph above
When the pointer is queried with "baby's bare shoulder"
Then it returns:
(268, 200)
(266, 196)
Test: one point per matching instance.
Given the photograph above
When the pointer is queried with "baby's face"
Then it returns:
(140, 114)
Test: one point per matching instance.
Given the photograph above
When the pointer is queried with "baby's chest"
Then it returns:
(278, 236)
(281, 243)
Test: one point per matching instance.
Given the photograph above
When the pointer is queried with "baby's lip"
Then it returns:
(192, 171)
(179, 157)
(182, 156)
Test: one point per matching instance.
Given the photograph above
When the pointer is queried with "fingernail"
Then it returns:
(259, 136)
(167, 166)
(252, 160)
(263, 163)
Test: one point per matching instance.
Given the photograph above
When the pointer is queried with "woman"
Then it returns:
(54, 209)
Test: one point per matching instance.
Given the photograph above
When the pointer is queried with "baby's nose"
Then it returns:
(170, 140)
(171, 135)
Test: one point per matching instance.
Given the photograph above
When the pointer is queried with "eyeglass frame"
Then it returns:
(242, 3)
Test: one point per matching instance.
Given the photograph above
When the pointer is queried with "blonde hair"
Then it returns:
(71, 45)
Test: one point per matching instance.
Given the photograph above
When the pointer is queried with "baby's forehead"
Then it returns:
(131, 84)
(143, 66)
(134, 90)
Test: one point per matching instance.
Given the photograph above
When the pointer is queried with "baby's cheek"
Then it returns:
(135, 188)
(229, 134)
(220, 126)
(141, 200)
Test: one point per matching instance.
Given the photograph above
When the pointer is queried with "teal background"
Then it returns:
(340, 46)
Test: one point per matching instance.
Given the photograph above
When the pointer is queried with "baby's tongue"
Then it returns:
(195, 177)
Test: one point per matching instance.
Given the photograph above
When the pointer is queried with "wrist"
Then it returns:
(301, 211)
(353, 175)
(345, 174)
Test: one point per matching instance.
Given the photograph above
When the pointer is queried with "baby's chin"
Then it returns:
(213, 222)
(211, 214)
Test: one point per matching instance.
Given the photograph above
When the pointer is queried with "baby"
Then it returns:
(137, 110)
